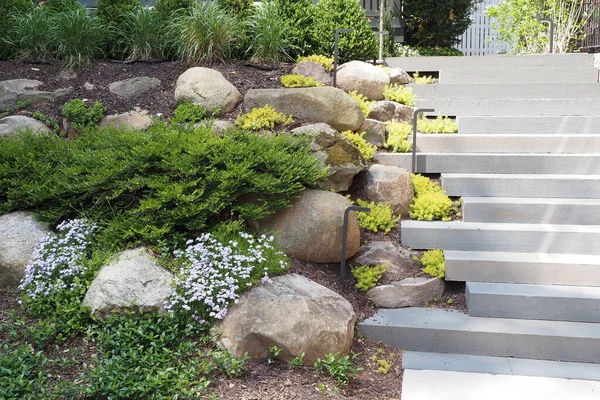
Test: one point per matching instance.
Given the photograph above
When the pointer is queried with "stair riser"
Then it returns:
(539, 347)
(521, 241)
(565, 125)
(539, 308)
(558, 187)
(521, 75)
(568, 164)
(513, 107)
(532, 213)
(507, 91)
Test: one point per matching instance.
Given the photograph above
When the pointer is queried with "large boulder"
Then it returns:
(293, 313)
(312, 70)
(208, 88)
(19, 123)
(363, 77)
(399, 76)
(391, 111)
(24, 90)
(132, 279)
(20, 234)
(311, 229)
(134, 87)
(316, 104)
(374, 132)
(337, 153)
(389, 185)
(132, 120)
(410, 292)
(400, 262)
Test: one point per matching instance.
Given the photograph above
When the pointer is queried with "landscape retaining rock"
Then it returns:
(18, 123)
(134, 87)
(293, 313)
(391, 111)
(313, 70)
(132, 279)
(399, 76)
(337, 153)
(374, 132)
(400, 262)
(208, 88)
(410, 292)
(389, 185)
(137, 120)
(20, 234)
(311, 229)
(365, 78)
(24, 90)
(316, 104)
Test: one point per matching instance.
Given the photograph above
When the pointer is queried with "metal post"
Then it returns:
(550, 22)
(380, 34)
(345, 239)
(335, 52)
(414, 146)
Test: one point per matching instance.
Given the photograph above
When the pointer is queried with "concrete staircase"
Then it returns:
(526, 163)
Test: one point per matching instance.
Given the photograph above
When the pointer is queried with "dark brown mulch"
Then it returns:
(101, 74)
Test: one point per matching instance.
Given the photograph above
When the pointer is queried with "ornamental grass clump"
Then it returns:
(214, 273)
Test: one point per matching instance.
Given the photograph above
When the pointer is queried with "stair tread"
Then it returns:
(529, 200)
(550, 258)
(512, 289)
(456, 225)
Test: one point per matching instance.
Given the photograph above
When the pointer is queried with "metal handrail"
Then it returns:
(414, 146)
(345, 240)
(550, 33)
(335, 52)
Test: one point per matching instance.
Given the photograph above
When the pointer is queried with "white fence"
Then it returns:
(480, 39)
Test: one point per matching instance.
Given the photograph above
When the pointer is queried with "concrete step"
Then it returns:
(442, 331)
(417, 360)
(531, 210)
(512, 107)
(522, 185)
(524, 268)
(434, 64)
(543, 302)
(520, 75)
(554, 125)
(555, 144)
(496, 163)
(450, 385)
(507, 91)
(522, 238)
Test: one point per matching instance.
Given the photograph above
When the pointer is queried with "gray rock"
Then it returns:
(134, 120)
(374, 132)
(390, 110)
(221, 125)
(20, 234)
(293, 313)
(89, 86)
(399, 76)
(18, 123)
(365, 78)
(313, 105)
(134, 87)
(313, 70)
(335, 152)
(132, 279)
(208, 88)
(311, 229)
(389, 185)
(24, 90)
(400, 262)
(410, 292)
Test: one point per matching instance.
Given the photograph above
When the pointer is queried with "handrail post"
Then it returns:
(414, 146)
(550, 22)
(335, 52)
(345, 240)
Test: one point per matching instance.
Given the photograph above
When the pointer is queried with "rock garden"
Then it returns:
(173, 228)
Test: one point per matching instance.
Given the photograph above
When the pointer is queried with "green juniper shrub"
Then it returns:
(434, 264)
(339, 367)
(262, 118)
(343, 14)
(269, 35)
(188, 112)
(366, 149)
(167, 183)
(365, 104)
(294, 81)
(81, 115)
(367, 276)
(381, 218)
(326, 62)
(400, 94)
(299, 16)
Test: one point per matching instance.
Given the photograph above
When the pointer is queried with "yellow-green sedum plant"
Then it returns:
(366, 149)
(262, 118)
(434, 263)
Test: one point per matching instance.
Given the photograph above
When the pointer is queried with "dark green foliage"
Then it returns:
(438, 51)
(240, 9)
(81, 115)
(432, 23)
(339, 367)
(167, 8)
(188, 112)
(299, 16)
(341, 14)
(30, 35)
(58, 6)
(113, 11)
(21, 372)
(166, 183)
(144, 35)
(389, 41)
(7, 9)
(268, 35)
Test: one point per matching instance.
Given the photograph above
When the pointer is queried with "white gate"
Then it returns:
(480, 39)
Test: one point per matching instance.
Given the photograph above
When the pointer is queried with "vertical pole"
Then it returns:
(335, 52)
(414, 146)
(381, 18)
(550, 22)
(345, 240)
